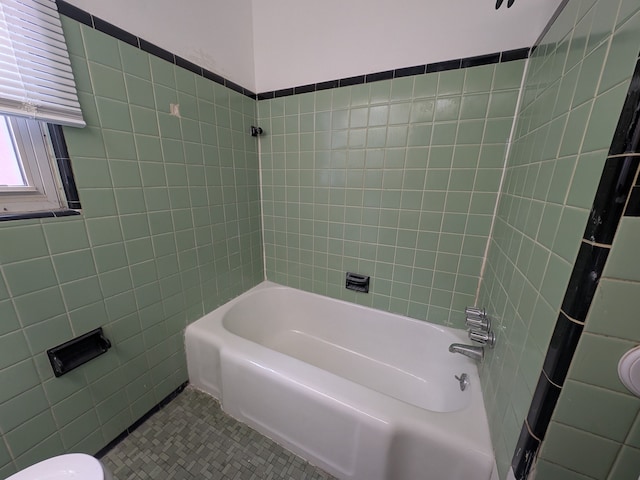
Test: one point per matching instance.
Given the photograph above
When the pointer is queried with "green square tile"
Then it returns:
(29, 276)
(447, 108)
(451, 82)
(622, 262)
(13, 349)
(85, 142)
(551, 471)
(73, 36)
(134, 226)
(130, 200)
(100, 47)
(21, 376)
(108, 82)
(586, 179)
(596, 410)
(119, 145)
(508, 75)
(92, 172)
(611, 311)
(38, 306)
(567, 239)
(475, 106)
(604, 118)
(144, 120)
(81, 292)
(10, 321)
(162, 72)
(149, 148)
(103, 231)
(22, 408)
(29, 433)
(140, 92)
(22, 243)
(627, 463)
(98, 202)
(74, 265)
(113, 114)
(579, 451)
(478, 79)
(50, 332)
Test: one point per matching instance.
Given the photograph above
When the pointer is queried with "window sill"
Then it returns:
(44, 214)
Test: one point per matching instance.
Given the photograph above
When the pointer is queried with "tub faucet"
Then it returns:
(471, 351)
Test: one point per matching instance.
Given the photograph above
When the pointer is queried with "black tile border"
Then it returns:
(564, 342)
(459, 63)
(129, 430)
(633, 205)
(105, 27)
(544, 402)
(615, 185)
(525, 454)
(616, 194)
(92, 21)
(584, 279)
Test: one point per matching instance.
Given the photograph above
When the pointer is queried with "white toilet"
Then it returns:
(72, 466)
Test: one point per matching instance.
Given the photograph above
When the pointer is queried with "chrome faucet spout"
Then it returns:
(471, 351)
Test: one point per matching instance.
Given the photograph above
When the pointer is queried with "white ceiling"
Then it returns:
(268, 45)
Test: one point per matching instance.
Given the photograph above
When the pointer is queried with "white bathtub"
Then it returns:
(361, 393)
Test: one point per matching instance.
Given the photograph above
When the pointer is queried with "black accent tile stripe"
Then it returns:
(43, 214)
(266, 95)
(512, 55)
(74, 12)
(285, 92)
(409, 71)
(187, 65)
(480, 60)
(633, 206)
(545, 398)
(525, 454)
(444, 66)
(163, 403)
(498, 57)
(157, 51)
(116, 32)
(611, 197)
(346, 82)
(584, 280)
(304, 89)
(562, 346)
(59, 144)
(327, 85)
(94, 22)
(379, 76)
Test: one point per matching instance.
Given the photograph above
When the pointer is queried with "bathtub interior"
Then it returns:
(415, 365)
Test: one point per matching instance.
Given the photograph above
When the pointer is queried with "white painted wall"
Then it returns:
(214, 34)
(298, 42)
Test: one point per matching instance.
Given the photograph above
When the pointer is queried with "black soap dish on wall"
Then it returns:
(75, 352)
(357, 282)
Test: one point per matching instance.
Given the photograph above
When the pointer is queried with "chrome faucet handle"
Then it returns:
(484, 338)
(474, 312)
(463, 379)
(482, 324)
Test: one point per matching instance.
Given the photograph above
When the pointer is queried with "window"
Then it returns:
(29, 178)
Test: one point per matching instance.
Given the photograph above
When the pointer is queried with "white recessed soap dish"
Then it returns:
(629, 370)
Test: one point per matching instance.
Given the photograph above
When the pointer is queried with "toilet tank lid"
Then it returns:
(72, 466)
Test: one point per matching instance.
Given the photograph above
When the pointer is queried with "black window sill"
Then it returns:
(44, 214)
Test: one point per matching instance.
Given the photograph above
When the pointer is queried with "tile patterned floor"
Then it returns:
(192, 438)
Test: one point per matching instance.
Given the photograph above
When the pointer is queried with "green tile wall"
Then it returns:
(395, 179)
(574, 90)
(597, 418)
(170, 229)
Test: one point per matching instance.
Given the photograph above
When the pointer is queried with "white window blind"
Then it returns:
(36, 80)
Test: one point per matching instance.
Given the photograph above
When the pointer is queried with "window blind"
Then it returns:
(36, 80)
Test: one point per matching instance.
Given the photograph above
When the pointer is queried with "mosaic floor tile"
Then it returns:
(192, 438)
